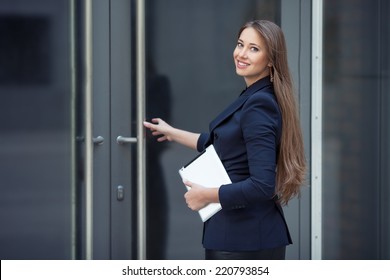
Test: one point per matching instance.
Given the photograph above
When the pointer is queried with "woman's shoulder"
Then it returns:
(263, 97)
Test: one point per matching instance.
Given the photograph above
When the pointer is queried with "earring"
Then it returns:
(271, 74)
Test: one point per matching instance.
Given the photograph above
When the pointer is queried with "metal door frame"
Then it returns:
(92, 52)
(141, 91)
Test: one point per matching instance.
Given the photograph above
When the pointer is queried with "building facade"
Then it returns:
(80, 178)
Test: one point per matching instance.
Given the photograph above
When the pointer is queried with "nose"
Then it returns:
(242, 52)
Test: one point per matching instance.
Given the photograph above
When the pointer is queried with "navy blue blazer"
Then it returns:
(246, 136)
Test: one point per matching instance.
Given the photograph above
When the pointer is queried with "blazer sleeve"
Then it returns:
(260, 125)
(203, 141)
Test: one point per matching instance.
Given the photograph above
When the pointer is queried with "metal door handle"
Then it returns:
(125, 140)
(98, 140)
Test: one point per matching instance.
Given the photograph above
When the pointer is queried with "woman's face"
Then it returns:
(250, 56)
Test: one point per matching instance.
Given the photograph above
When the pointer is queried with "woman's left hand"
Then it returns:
(196, 196)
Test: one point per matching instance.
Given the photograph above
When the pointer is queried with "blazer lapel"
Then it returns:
(239, 102)
(229, 110)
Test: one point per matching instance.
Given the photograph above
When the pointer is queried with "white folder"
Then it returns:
(207, 170)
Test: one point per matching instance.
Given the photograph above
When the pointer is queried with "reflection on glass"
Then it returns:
(355, 131)
(158, 98)
(191, 78)
(26, 47)
(35, 149)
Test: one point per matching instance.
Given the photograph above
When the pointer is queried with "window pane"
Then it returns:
(355, 130)
(35, 145)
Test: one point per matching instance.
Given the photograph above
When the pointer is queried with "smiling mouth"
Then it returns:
(242, 64)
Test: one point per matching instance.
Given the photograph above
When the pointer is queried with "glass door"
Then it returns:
(356, 130)
(190, 79)
(115, 210)
(127, 230)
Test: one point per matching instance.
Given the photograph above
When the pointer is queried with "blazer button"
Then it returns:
(215, 136)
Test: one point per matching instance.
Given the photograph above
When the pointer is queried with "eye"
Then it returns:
(239, 45)
(254, 49)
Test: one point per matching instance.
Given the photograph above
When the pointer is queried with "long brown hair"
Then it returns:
(291, 164)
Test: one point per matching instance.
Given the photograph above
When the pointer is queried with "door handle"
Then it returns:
(98, 140)
(126, 140)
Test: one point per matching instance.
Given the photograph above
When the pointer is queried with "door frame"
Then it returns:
(113, 226)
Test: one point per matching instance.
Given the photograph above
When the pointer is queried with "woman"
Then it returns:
(259, 140)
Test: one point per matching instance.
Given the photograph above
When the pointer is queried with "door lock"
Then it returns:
(120, 193)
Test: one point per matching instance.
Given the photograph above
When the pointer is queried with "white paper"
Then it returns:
(206, 170)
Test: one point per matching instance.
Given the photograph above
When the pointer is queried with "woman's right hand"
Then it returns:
(158, 127)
